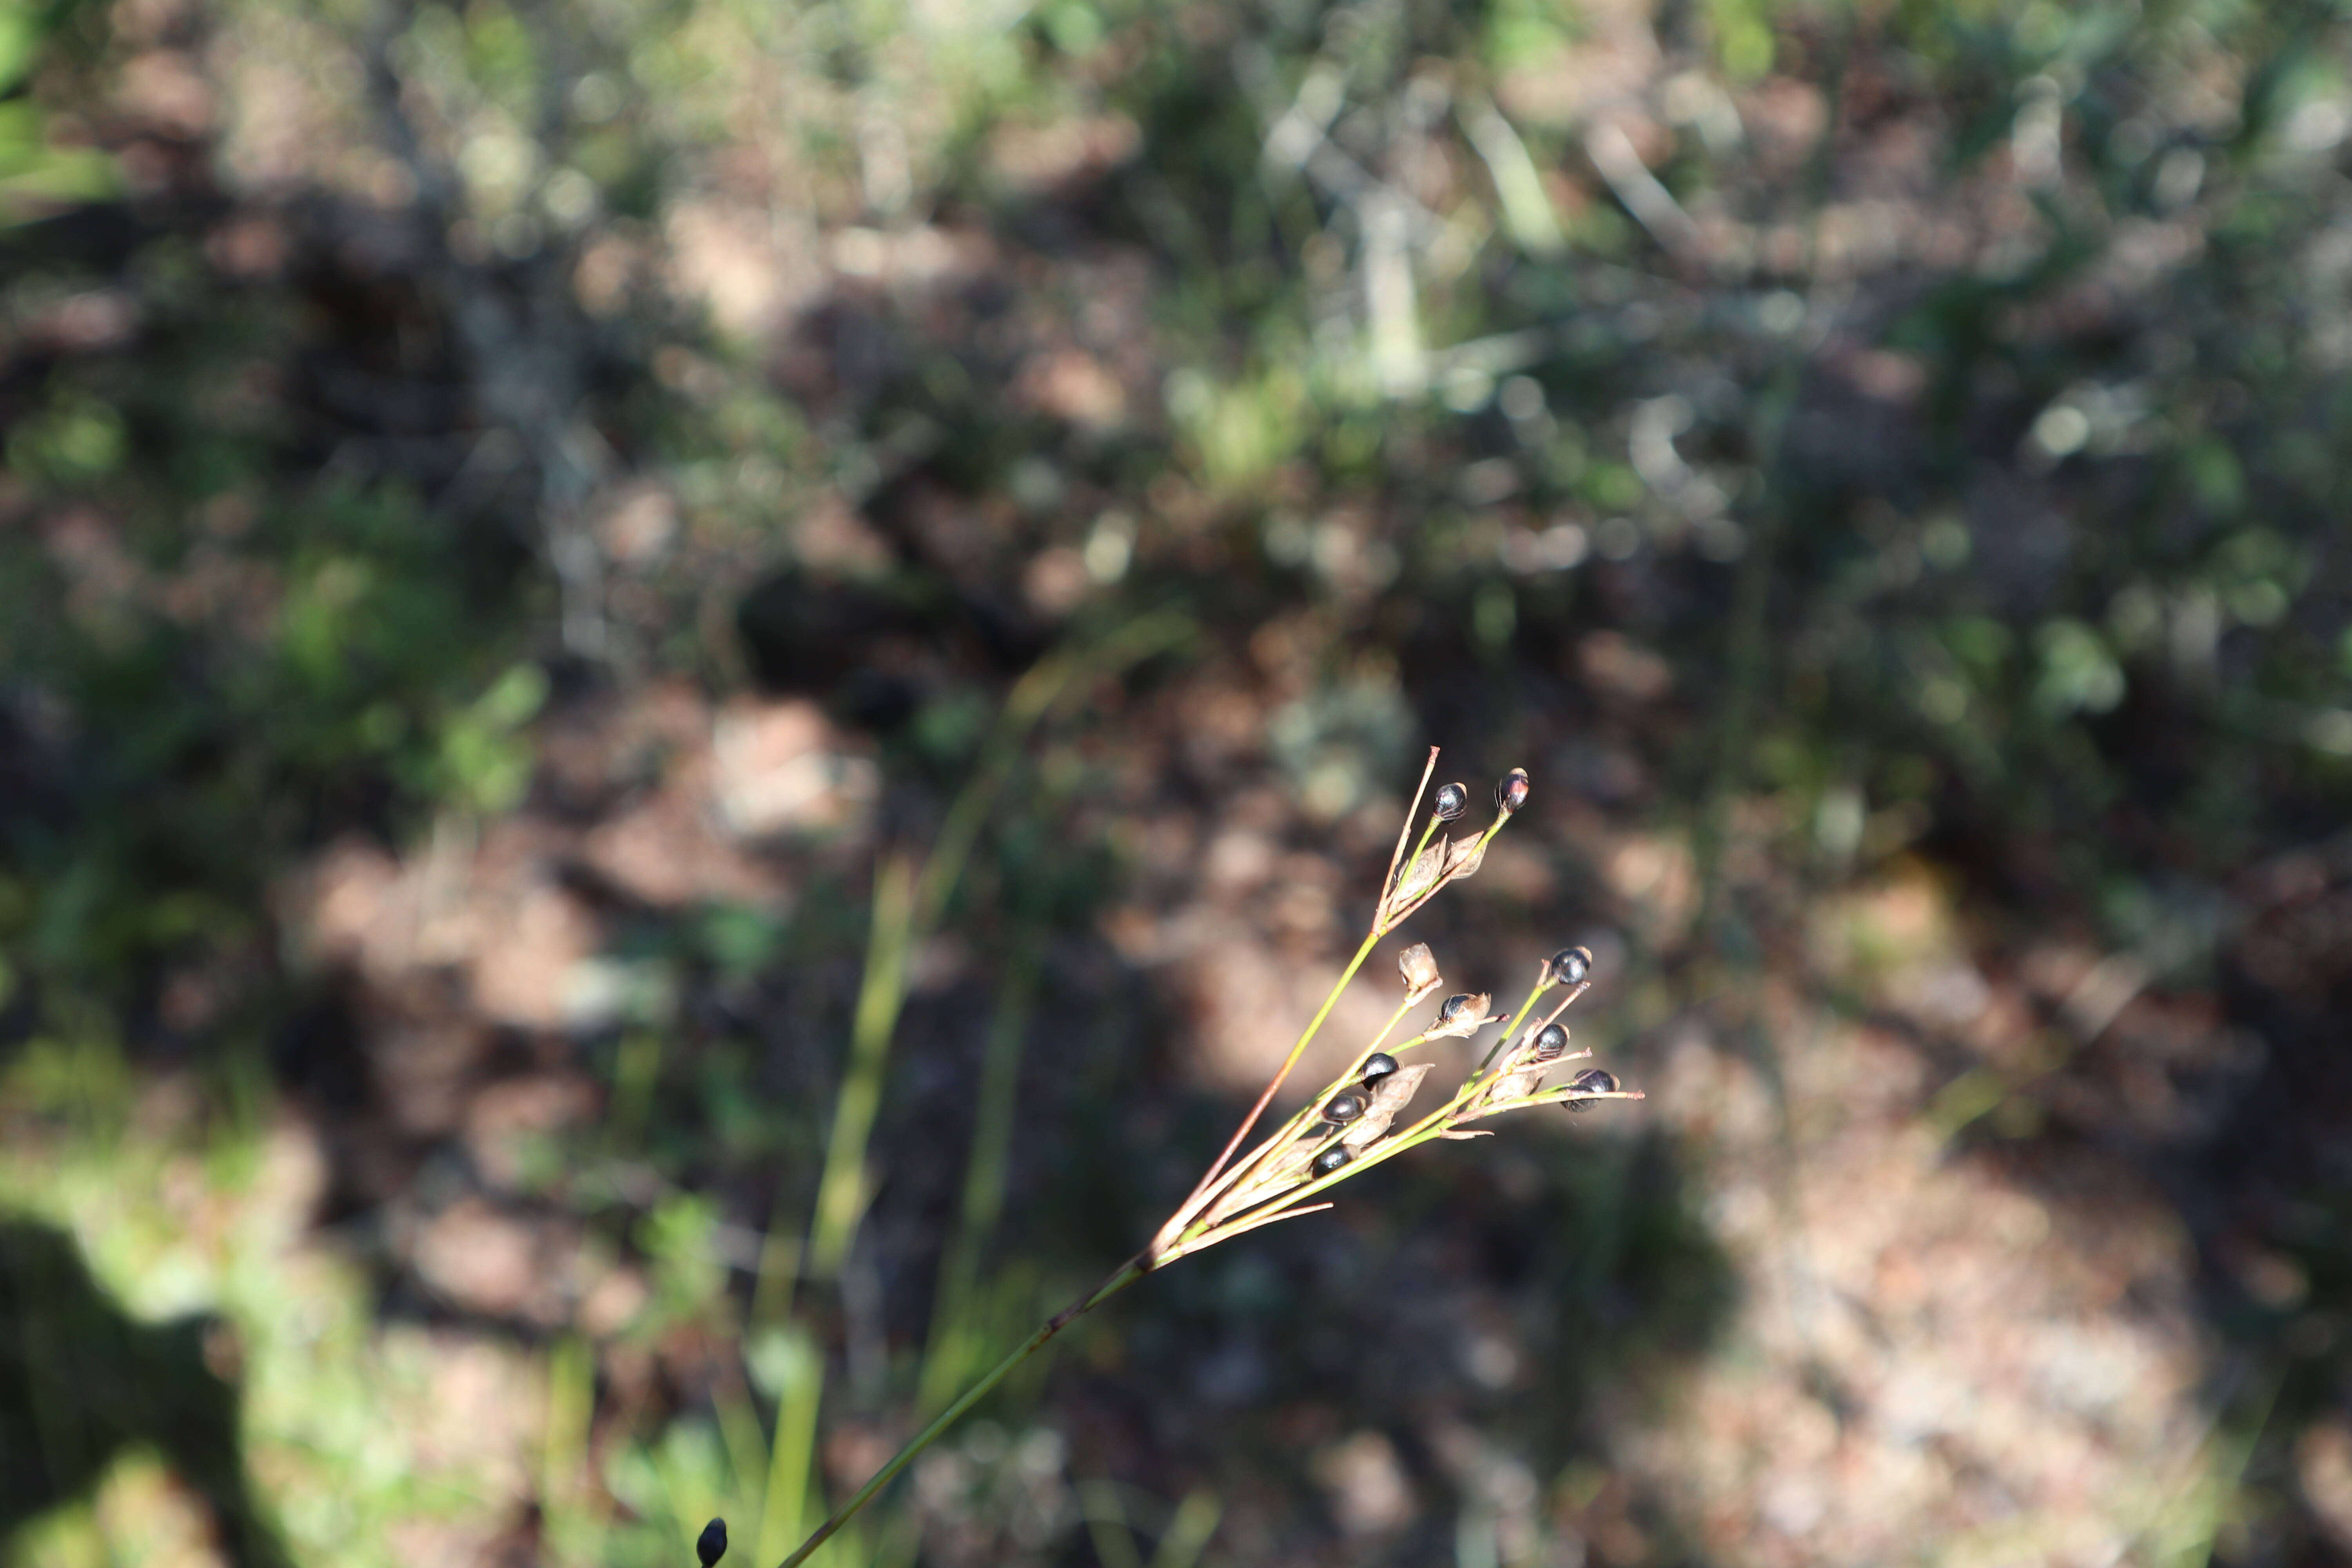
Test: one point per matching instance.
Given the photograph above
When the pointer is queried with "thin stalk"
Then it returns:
(746, 1444)
(914, 912)
(841, 1191)
(1195, 1234)
(1114, 1539)
(791, 1457)
(570, 1404)
(1199, 1198)
(1129, 1273)
(984, 1185)
(1511, 1033)
(1399, 862)
(1188, 1533)
(1437, 1124)
(1576, 991)
(1239, 1170)
(1485, 840)
(636, 1074)
(1380, 926)
(1430, 1127)
(907, 907)
(1048, 687)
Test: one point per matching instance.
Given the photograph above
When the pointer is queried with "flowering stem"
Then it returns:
(1129, 1273)
(1399, 864)
(1186, 1230)
(1191, 1204)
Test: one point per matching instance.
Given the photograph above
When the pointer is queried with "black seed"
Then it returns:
(1551, 1040)
(1378, 1066)
(1570, 965)
(1450, 1008)
(1330, 1160)
(1344, 1108)
(1594, 1080)
(711, 1544)
(1451, 802)
(1512, 793)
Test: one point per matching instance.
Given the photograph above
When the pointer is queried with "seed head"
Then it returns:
(1389, 1098)
(1511, 792)
(1344, 1107)
(1551, 1040)
(1330, 1160)
(1451, 802)
(1464, 1015)
(1378, 1066)
(1570, 965)
(1593, 1081)
(1419, 967)
(711, 1544)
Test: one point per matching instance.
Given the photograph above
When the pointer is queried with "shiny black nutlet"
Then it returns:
(1450, 1008)
(1593, 1079)
(1551, 1040)
(1511, 792)
(1451, 802)
(1344, 1108)
(1378, 1066)
(711, 1544)
(1571, 966)
(1330, 1160)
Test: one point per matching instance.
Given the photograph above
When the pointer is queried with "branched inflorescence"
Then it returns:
(1353, 1124)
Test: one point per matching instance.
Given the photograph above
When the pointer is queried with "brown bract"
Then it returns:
(1466, 1021)
(1447, 860)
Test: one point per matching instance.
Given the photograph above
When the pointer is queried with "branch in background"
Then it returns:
(1653, 205)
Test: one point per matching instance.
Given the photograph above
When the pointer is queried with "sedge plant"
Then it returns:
(1357, 1122)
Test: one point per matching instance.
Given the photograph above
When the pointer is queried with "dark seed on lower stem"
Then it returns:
(1378, 1066)
(711, 1544)
(1551, 1040)
(1330, 1160)
(1344, 1107)
(1592, 1081)
(1450, 1008)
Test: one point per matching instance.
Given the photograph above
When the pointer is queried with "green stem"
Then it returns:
(1239, 1170)
(1517, 1019)
(841, 1191)
(1192, 1204)
(908, 906)
(1436, 1124)
(1420, 1133)
(1128, 1275)
(784, 1498)
(953, 1331)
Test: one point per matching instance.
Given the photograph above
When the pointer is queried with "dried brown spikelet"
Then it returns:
(1461, 1017)
(1389, 1097)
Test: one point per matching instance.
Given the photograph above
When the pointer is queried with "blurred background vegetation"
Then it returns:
(689, 690)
